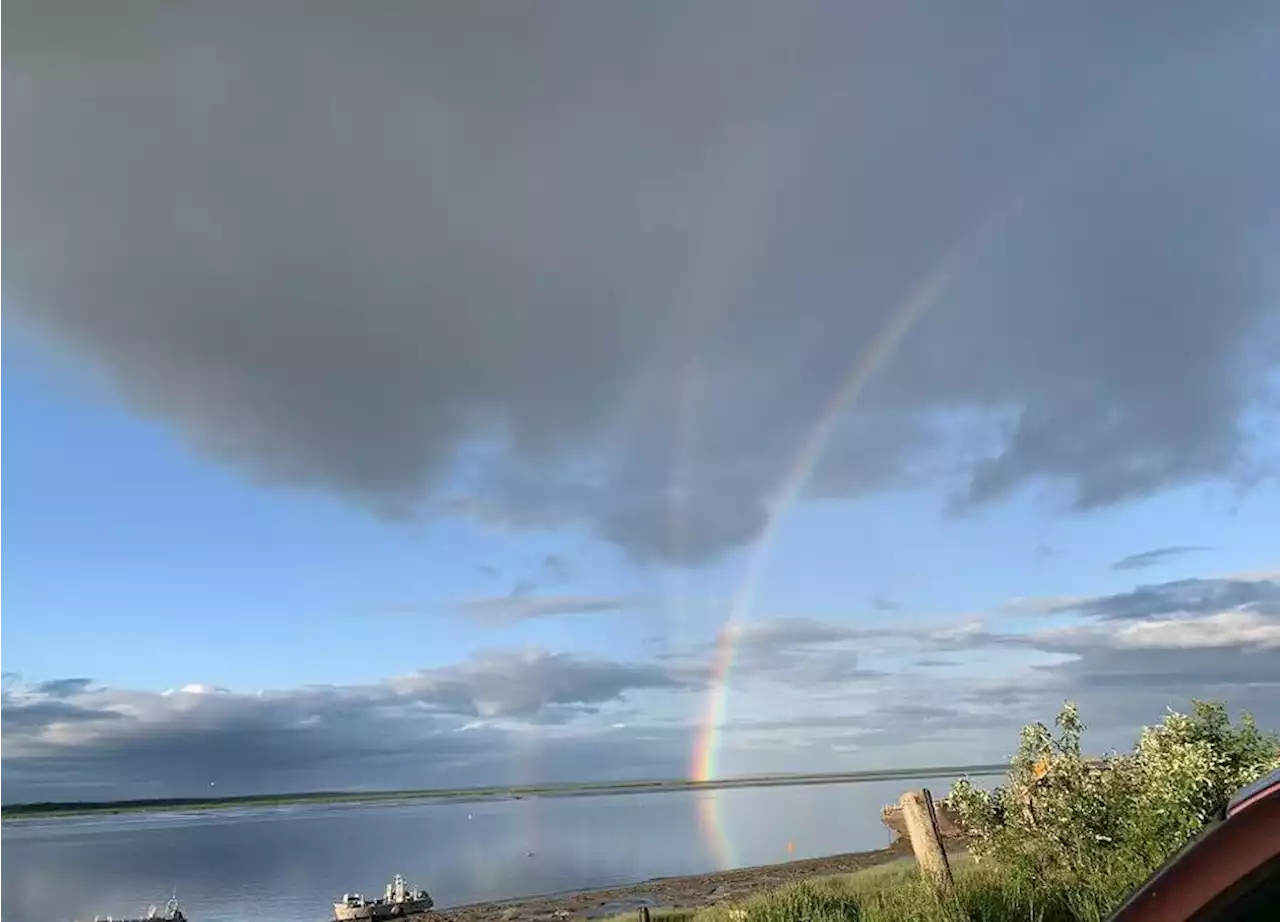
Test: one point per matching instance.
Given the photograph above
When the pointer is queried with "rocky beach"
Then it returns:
(691, 892)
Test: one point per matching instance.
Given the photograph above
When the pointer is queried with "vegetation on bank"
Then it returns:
(1065, 840)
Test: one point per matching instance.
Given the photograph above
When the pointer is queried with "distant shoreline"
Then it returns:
(31, 811)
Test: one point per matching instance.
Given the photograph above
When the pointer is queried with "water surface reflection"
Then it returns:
(286, 864)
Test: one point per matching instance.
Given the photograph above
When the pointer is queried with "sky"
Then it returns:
(468, 393)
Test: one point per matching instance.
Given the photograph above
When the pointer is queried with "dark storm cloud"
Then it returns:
(613, 261)
(1155, 556)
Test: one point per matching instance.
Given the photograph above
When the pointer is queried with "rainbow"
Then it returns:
(706, 748)
(1089, 143)
(714, 833)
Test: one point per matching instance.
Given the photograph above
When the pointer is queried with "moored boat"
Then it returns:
(399, 900)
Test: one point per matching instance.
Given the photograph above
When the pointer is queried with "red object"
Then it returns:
(1230, 872)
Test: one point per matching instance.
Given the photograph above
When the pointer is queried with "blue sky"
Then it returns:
(424, 412)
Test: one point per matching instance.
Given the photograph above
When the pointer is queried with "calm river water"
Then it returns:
(287, 864)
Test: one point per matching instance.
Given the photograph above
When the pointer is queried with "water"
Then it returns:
(287, 864)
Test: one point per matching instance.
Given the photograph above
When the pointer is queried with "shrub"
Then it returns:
(1099, 826)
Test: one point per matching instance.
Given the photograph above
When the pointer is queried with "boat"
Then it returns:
(950, 828)
(172, 913)
(399, 900)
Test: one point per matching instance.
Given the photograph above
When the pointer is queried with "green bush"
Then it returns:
(1094, 828)
(1065, 839)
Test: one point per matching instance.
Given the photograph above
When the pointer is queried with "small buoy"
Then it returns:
(791, 848)
(528, 854)
(468, 816)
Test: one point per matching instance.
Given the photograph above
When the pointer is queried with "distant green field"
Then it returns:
(78, 808)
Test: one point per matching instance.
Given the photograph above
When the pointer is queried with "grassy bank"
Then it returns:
(896, 893)
(457, 795)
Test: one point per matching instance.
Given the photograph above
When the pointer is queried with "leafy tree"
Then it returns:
(1102, 824)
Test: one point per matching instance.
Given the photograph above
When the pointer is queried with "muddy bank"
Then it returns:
(696, 891)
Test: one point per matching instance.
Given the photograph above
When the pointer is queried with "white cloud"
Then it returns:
(1225, 629)
(800, 695)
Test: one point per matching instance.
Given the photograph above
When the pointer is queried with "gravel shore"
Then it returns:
(695, 891)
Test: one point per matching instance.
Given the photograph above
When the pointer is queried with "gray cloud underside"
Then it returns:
(515, 606)
(508, 608)
(800, 700)
(1138, 652)
(1193, 596)
(438, 723)
(1209, 638)
(1156, 556)
(63, 688)
(611, 262)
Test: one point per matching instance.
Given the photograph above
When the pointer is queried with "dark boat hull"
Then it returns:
(374, 911)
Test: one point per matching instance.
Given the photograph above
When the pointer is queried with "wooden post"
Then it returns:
(921, 819)
(644, 914)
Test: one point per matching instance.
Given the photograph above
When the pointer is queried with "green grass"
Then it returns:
(895, 892)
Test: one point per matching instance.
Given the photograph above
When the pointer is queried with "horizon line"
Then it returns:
(499, 790)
